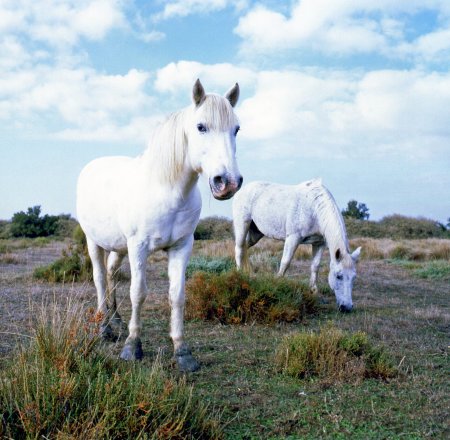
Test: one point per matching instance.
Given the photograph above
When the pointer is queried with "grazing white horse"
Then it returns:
(151, 202)
(301, 214)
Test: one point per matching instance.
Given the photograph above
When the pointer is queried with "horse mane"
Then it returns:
(330, 220)
(167, 148)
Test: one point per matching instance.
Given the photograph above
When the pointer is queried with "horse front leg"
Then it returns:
(178, 259)
(317, 251)
(137, 254)
(290, 246)
(241, 230)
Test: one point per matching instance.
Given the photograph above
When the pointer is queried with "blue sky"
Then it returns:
(354, 91)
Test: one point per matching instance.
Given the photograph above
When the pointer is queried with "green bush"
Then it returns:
(74, 265)
(235, 297)
(214, 228)
(64, 386)
(31, 224)
(332, 354)
(396, 227)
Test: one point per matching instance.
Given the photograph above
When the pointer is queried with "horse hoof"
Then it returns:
(107, 333)
(185, 361)
(132, 351)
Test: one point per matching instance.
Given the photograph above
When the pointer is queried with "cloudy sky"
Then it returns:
(354, 91)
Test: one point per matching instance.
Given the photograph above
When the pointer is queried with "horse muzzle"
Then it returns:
(224, 187)
(343, 308)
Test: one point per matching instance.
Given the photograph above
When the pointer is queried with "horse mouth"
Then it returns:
(222, 195)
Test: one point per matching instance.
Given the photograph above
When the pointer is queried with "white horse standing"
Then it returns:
(151, 202)
(302, 214)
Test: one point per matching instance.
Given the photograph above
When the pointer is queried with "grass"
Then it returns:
(332, 355)
(407, 315)
(74, 264)
(64, 386)
(209, 264)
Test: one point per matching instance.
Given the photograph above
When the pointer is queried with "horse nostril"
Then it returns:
(240, 180)
(220, 182)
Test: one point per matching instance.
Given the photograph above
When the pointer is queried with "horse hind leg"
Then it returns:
(113, 265)
(97, 255)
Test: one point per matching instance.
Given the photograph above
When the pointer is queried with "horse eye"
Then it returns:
(236, 130)
(339, 277)
(201, 128)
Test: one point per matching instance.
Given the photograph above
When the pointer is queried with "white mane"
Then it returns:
(329, 218)
(168, 147)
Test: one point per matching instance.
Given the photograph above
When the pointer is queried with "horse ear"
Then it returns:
(198, 93)
(355, 254)
(233, 95)
(338, 255)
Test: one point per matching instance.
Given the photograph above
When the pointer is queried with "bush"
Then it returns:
(396, 227)
(214, 228)
(236, 298)
(332, 354)
(64, 386)
(74, 265)
(31, 224)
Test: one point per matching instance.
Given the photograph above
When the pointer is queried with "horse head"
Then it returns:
(211, 130)
(341, 276)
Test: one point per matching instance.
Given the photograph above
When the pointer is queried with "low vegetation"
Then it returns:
(74, 264)
(332, 355)
(209, 264)
(62, 385)
(237, 298)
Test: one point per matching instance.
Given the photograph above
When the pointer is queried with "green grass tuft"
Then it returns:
(332, 355)
(209, 264)
(235, 297)
(434, 270)
(64, 386)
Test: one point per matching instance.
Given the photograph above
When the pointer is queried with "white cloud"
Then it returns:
(341, 26)
(61, 23)
(183, 8)
(333, 114)
(80, 98)
(180, 76)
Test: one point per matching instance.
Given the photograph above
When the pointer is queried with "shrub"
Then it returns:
(332, 354)
(64, 386)
(74, 265)
(31, 224)
(397, 227)
(217, 228)
(209, 264)
(235, 297)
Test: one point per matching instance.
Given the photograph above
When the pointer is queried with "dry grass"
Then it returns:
(413, 250)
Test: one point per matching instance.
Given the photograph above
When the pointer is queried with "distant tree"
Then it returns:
(31, 224)
(356, 210)
(448, 223)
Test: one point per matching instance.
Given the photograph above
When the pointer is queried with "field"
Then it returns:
(401, 299)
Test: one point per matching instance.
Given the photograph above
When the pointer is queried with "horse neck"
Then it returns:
(330, 221)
